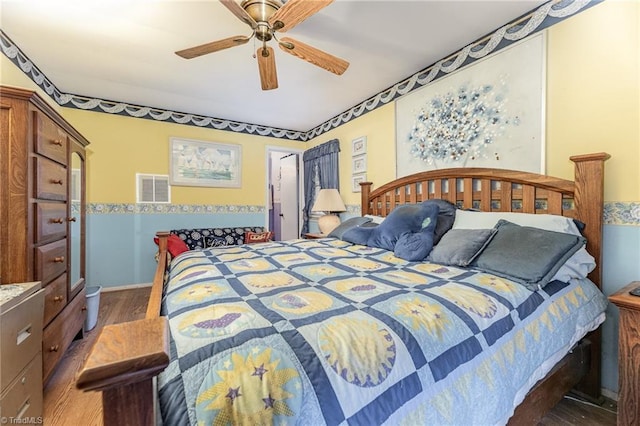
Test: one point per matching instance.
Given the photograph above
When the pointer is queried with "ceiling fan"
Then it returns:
(266, 17)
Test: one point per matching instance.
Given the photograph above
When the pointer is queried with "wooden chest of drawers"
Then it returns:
(42, 227)
(21, 353)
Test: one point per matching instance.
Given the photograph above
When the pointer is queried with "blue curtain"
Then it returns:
(320, 162)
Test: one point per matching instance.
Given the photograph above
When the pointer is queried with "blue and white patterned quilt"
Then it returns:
(324, 332)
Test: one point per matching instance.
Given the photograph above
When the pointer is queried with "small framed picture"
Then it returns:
(359, 164)
(359, 146)
(355, 182)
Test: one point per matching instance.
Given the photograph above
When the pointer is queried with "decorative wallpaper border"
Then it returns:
(615, 213)
(127, 208)
(622, 213)
(546, 15)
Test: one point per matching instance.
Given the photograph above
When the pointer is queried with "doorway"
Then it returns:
(284, 192)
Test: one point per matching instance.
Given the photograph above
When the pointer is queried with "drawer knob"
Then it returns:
(84, 308)
(71, 219)
(56, 142)
(57, 220)
(58, 259)
(54, 348)
(56, 181)
(23, 380)
(57, 299)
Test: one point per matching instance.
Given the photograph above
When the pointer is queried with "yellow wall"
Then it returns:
(593, 94)
(593, 104)
(123, 146)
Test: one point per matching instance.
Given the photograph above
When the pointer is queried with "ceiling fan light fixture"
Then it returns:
(266, 17)
(261, 10)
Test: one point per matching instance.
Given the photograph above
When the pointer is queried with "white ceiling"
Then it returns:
(123, 50)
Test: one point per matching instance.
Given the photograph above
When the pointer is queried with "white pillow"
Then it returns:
(577, 266)
(467, 219)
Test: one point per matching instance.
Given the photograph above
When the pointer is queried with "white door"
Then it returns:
(289, 207)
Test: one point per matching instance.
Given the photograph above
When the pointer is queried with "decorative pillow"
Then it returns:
(414, 246)
(257, 237)
(359, 234)
(352, 222)
(530, 256)
(403, 219)
(195, 237)
(577, 266)
(459, 247)
(446, 217)
(175, 245)
(219, 241)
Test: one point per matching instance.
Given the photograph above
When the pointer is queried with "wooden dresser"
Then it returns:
(628, 355)
(42, 213)
(21, 310)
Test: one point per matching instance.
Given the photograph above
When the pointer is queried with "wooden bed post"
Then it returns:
(589, 181)
(126, 357)
(365, 190)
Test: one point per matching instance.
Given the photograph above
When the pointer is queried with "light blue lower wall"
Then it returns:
(120, 247)
(620, 266)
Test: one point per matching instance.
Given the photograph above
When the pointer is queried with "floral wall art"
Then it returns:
(489, 114)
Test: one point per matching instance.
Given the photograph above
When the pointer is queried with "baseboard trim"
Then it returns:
(126, 287)
(609, 394)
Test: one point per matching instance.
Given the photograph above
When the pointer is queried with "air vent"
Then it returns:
(152, 188)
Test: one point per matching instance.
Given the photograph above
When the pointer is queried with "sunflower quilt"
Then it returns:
(315, 332)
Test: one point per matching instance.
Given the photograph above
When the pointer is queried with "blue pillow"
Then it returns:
(352, 222)
(446, 217)
(358, 235)
(414, 246)
(527, 255)
(408, 218)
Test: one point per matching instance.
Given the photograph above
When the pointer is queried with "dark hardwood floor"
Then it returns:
(65, 405)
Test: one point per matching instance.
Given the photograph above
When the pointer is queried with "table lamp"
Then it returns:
(330, 202)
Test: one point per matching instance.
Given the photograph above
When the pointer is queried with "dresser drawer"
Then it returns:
(59, 334)
(50, 180)
(51, 221)
(23, 397)
(21, 336)
(55, 298)
(51, 260)
(50, 139)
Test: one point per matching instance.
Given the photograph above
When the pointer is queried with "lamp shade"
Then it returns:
(329, 200)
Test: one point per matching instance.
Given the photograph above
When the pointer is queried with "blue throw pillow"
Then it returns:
(358, 235)
(446, 217)
(414, 246)
(408, 218)
(348, 224)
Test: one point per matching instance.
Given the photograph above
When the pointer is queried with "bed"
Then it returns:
(265, 333)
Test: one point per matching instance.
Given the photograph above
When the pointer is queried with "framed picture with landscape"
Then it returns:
(201, 163)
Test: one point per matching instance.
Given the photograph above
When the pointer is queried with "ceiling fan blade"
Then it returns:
(267, 66)
(214, 46)
(295, 11)
(315, 56)
(239, 12)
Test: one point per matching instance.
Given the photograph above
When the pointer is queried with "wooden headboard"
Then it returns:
(505, 191)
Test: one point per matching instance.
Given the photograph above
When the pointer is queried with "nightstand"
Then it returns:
(628, 355)
(313, 236)
(21, 312)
